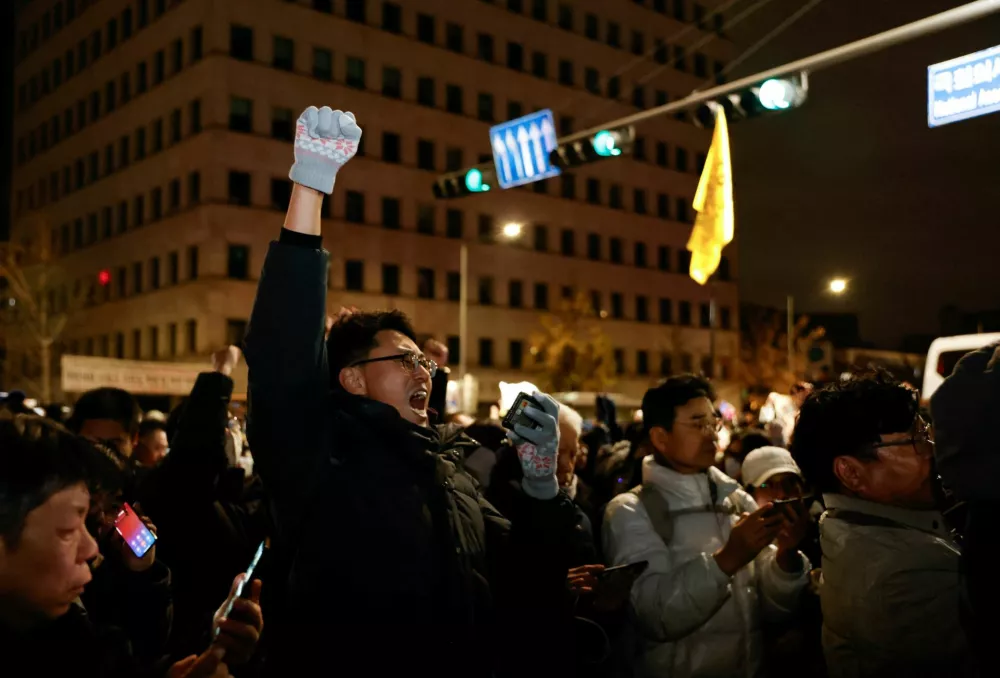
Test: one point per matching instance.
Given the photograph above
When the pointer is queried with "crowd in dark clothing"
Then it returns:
(398, 541)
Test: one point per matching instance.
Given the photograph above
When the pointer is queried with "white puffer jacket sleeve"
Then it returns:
(670, 600)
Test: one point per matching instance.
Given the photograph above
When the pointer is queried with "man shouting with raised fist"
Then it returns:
(387, 556)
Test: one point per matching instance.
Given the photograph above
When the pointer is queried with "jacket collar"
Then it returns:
(687, 487)
(928, 521)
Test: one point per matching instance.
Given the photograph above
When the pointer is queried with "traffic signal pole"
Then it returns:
(853, 50)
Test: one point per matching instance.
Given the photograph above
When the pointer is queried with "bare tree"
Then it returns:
(572, 353)
(39, 302)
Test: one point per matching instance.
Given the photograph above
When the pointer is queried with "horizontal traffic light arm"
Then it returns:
(933, 24)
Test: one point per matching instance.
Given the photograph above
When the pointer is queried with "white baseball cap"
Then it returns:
(765, 462)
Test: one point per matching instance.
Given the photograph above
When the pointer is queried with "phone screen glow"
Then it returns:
(134, 532)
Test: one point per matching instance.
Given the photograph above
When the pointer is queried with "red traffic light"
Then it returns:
(104, 277)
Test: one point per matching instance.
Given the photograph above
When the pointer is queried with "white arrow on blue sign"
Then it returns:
(963, 88)
(521, 149)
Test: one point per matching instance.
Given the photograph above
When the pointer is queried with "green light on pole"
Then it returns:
(605, 144)
(776, 95)
(474, 181)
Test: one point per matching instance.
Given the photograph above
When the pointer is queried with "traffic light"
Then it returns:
(771, 96)
(478, 179)
(607, 143)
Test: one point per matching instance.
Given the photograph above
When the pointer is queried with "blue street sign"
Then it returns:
(521, 149)
(963, 88)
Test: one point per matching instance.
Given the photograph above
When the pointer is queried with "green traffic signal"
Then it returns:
(474, 181)
(605, 144)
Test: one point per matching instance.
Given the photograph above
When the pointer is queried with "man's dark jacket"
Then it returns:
(391, 558)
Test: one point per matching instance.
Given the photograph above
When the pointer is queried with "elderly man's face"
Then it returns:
(569, 448)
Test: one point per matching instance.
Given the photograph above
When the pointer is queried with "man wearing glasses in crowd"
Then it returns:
(387, 559)
(890, 592)
(713, 570)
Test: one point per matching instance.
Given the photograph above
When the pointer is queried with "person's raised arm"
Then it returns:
(285, 345)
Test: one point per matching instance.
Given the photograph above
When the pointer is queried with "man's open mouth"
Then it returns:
(418, 401)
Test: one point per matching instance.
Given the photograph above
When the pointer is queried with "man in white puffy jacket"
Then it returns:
(713, 570)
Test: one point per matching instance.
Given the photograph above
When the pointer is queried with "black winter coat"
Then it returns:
(392, 561)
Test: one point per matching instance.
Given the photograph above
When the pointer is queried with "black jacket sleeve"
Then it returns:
(288, 373)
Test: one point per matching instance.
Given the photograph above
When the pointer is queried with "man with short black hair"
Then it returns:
(383, 541)
(890, 592)
(110, 416)
(712, 572)
(151, 443)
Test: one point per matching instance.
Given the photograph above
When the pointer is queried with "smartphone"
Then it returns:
(516, 415)
(778, 504)
(134, 531)
(244, 583)
(623, 572)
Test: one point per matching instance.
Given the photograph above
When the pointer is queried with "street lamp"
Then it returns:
(511, 231)
(838, 286)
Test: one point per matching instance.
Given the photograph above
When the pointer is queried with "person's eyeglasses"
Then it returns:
(922, 437)
(409, 361)
(706, 426)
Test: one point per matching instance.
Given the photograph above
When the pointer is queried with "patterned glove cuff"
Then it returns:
(540, 488)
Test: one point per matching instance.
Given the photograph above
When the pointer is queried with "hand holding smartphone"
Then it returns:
(239, 589)
(516, 415)
(134, 532)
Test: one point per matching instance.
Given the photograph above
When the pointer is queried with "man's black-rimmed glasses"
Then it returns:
(410, 361)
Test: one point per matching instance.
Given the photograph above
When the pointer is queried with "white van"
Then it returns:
(944, 354)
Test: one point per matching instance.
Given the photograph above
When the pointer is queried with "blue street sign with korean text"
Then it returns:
(963, 88)
(521, 149)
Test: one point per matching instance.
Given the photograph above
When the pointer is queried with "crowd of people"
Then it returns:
(840, 542)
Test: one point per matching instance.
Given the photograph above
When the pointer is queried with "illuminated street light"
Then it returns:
(512, 230)
(838, 285)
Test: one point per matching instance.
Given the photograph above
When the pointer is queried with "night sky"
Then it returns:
(855, 184)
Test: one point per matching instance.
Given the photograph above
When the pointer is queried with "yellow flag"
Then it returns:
(713, 229)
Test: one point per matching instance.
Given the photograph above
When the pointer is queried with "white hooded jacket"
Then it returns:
(693, 620)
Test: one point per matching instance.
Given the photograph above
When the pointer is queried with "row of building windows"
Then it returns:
(241, 47)
(143, 344)
(518, 358)
(102, 42)
(354, 280)
(144, 142)
(116, 219)
(104, 100)
(613, 35)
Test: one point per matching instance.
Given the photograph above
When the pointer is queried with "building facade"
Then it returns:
(152, 145)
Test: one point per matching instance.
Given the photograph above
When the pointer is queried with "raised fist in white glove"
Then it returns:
(537, 448)
(324, 141)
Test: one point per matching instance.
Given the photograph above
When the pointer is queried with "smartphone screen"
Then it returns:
(516, 414)
(624, 572)
(134, 532)
(228, 606)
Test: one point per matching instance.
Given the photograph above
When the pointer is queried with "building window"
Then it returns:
(617, 306)
(681, 163)
(354, 207)
(541, 238)
(239, 188)
(541, 296)
(484, 47)
(175, 126)
(240, 114)
(565, 17)
(640, 255)
(282, 124)
(195, 116)
(238, 263)
(642, 309)
(486, 353)
(390, 279)
(392, 82)
(705, 315)
(453, 282)
(592, 80)
(515, 294)
(390, 147)
(454, 38)
(619, 356)
(425, 219)
(281, 194)
(425, 154)
(565, 72)
(156, 204)
(724, 274)
(425, 28)
(392, 17)
(682, 210)
(683, 261)
(194, 188)
(173, 196)
(685, 313)
(725, 318)
(567, 243)
(615, 197)
(539, 65)
(241, 42)
(425, 283)
(390, 213)
(453, 224)
(139, 211)
(484, 107)
(193, 263)
(453, 159)
(486, 291)
(594, 246)
(567, 186)
(453, 99)
(515, 56)
(137, 278)
(173, 268)
(662, 205)
(197, 40)
(354, 275)
(322, 64)
(425, 91)
(355, 73)
(593, 191)
(356, 11)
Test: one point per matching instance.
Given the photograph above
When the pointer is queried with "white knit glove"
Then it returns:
(324, 141)
(537, 448)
